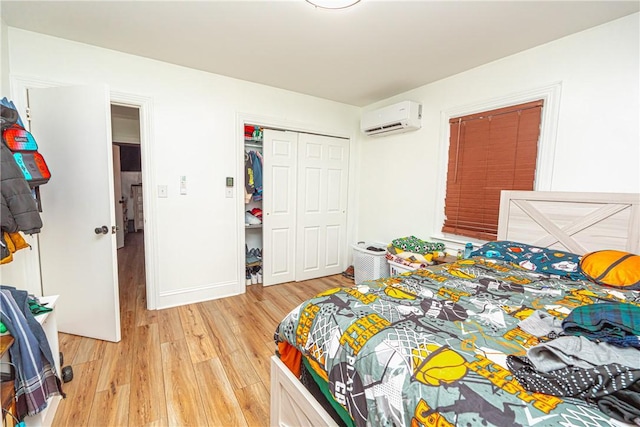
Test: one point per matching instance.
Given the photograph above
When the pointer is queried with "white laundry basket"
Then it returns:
(368, 264)
(395, 268)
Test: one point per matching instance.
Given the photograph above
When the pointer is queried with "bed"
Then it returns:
(446, 345)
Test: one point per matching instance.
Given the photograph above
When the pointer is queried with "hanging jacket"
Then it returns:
(19, 208)
(256, 162)
(8, 114)
(249, 185)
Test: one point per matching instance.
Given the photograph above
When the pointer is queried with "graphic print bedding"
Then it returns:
(450, 345)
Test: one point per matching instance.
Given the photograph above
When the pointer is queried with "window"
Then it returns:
(489, 152)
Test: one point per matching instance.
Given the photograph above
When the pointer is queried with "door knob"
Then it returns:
(102, 230)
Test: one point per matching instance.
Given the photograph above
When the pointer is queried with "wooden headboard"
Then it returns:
(573, 222)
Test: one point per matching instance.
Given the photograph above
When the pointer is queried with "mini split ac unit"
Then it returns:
(397, 118)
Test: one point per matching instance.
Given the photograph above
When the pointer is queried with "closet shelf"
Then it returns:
(253, 226)
(253, 144)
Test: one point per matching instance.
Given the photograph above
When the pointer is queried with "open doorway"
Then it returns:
(128, 200)
(125, 133)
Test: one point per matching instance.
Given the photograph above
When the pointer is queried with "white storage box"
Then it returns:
(367, 264)
(395, 268)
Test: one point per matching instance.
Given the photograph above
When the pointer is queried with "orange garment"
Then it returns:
(14, 242)
(291, 357)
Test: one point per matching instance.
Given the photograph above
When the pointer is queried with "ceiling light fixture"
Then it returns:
(333, 4)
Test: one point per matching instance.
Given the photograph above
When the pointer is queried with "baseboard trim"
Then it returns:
(194, 295)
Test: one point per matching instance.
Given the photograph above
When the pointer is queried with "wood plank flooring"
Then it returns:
(204, 364)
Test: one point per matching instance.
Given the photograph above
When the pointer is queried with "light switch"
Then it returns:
(162, 191)
(183, 185)
(228, 192)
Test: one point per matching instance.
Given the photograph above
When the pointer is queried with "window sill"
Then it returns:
(454, 243)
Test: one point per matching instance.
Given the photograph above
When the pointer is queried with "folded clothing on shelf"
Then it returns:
(251, 219)
(257, 212)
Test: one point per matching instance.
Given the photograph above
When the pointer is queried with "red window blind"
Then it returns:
(489, 152)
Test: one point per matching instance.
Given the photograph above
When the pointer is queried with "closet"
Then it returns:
(253, 191)
(304, 205)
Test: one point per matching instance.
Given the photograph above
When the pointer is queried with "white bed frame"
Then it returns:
(573, 222)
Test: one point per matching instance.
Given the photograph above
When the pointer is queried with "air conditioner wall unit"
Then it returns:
(397, 118)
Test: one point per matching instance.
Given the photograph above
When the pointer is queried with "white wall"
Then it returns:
(597, 146)
(4, 58)
(23, 271)
(194, 133)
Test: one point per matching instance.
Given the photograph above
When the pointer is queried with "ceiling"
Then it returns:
(369, 52)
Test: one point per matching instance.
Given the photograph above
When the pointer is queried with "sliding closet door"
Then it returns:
(321, 205)
(279, 206)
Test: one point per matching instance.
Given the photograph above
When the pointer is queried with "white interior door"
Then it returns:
(323, 164)
(72, 126)
(279, 206)
(117, 197)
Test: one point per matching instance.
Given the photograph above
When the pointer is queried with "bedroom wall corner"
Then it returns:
(598, 127)
(353, 219)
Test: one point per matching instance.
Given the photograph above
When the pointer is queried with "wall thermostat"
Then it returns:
(229, 181)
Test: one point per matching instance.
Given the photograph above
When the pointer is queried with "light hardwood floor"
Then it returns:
(204, 364)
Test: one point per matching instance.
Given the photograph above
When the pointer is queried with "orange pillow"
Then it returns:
(613, 268)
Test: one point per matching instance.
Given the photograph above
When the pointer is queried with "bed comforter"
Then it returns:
(430, 347)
